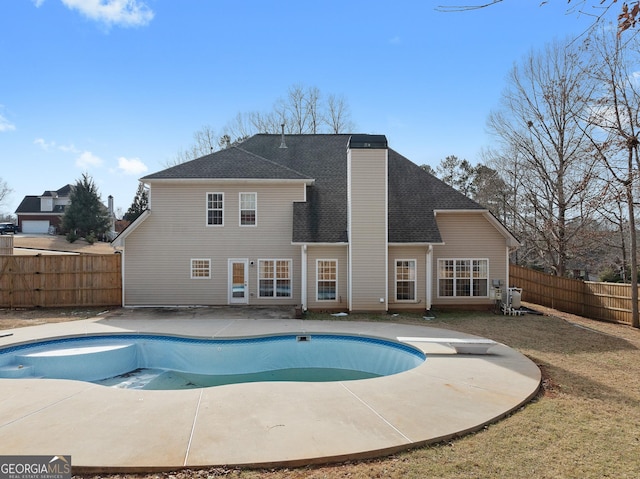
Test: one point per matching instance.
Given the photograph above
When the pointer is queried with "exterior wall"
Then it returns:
(157, 266)
(341, 255)
(46, 204)
(469, 236)
(367, 197)
(419, 254)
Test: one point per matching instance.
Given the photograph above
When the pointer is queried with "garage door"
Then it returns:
(35, 226)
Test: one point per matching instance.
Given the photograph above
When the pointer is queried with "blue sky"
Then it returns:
(116, 88)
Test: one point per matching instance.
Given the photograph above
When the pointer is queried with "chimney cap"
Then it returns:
(378, 142)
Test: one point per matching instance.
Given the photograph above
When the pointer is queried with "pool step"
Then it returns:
(84, 363)
(16, 371)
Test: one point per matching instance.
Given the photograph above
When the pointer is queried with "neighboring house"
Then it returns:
(325, 222)
(43, 214)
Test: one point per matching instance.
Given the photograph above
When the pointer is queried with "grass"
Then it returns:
(585, 423)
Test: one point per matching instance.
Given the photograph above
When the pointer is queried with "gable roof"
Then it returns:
(32, 204)
(231, 163)
(413, 193)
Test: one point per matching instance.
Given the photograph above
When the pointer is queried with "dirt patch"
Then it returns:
(20, 318)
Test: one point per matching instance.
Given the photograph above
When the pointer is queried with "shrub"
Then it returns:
(91, 238)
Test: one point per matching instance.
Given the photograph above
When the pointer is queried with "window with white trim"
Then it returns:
(248, 209)
(200, 268)
(463, 277)
(274, 278)
(405, 280)
(215, 209)
(326, 279)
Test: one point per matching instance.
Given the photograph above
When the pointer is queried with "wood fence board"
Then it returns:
(60, 280)
(603, 301)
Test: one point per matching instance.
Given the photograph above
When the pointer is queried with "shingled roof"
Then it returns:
(413, 193)
(31, 203)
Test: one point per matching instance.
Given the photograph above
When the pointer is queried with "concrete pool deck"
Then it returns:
(256, 424)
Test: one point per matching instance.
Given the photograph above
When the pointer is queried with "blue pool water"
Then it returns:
(137, 361)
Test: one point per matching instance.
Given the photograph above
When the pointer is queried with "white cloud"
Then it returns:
(49, 145)
(38, 3)
(6, 125)
(133, 166)
(43, 144)
(68, 148)
(87, 159)
(125, 13)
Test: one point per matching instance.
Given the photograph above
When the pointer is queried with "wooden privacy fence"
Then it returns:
(60, 281)
(604, 301)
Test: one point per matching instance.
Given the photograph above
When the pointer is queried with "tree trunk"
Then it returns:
(635, 320)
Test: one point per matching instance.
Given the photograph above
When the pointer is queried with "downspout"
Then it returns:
(507, 270)
(429, 273)
(303, 278)
(122, 274)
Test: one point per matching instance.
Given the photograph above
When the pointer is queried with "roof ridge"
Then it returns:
(279, 165)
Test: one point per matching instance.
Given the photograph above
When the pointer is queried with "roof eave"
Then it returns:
(305, 181)
(118, 241)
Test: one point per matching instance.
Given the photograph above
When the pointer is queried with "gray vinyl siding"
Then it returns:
(368, 228)
(418, 253)
(469, 236)
(341, 255)
(158, 254)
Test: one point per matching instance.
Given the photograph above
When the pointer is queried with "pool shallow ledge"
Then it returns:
(153, 361)
(259, 424)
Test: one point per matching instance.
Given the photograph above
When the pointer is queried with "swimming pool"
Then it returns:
(146, 361)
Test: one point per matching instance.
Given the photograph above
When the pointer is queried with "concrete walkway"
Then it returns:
(257, 424)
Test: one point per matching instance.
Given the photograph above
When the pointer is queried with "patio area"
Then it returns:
(257, 424)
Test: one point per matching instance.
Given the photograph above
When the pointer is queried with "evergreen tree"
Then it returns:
(139, 205)
(85, 216)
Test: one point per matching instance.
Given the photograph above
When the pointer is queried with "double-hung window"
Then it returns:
(200, 268)
(463, 277)
(274, 278)
(326, 279)
(248, 209)
(406, 280)
(215, 209)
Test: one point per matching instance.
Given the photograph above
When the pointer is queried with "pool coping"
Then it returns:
(259, 424)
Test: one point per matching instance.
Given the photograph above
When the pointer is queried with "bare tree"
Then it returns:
(295, 108)
(4, 191)
(302, 111)
(205, 141)
(267, 122)
(542, 107)
(616, 112)
(627, 18)
(238, 128)
(337, 116)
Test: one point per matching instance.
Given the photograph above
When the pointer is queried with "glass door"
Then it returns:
(238, 281)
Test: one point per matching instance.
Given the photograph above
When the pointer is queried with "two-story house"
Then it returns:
(325, 222)
(43, 213)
